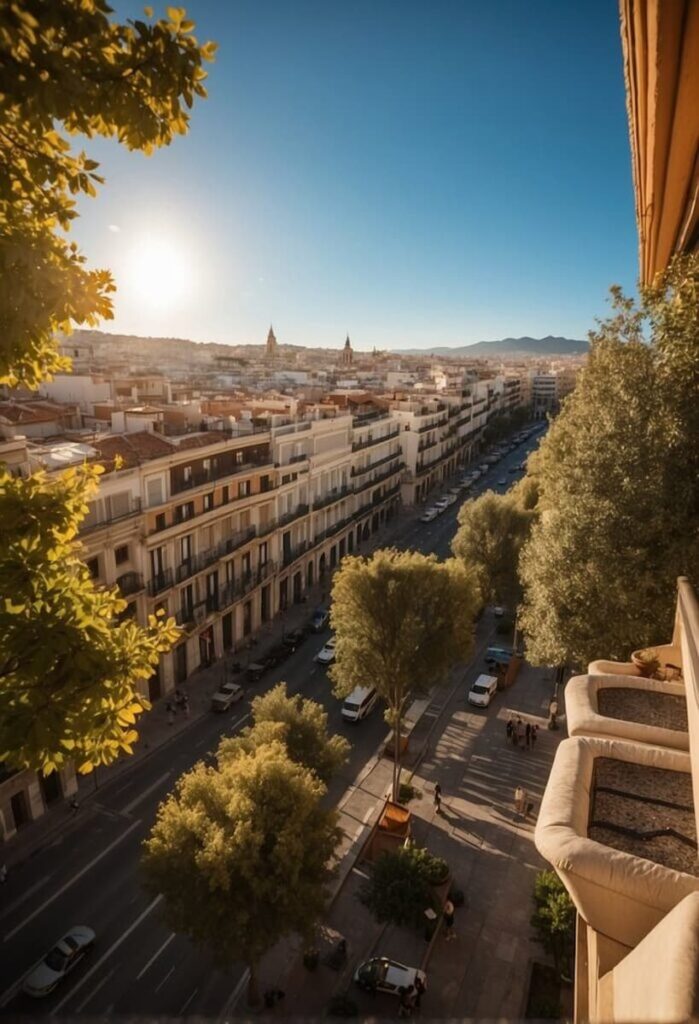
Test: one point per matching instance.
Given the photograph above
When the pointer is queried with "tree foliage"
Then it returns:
(65, 69)
(68, 672)
(68, 669)
(399, 889)
(240, 853)
(554, 919)
(297, 722)
(402, 620)
(619, 483)
(492, 530)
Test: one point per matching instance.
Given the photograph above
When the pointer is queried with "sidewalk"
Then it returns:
(490, 850)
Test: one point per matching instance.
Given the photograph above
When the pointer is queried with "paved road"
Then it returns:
(89, 875)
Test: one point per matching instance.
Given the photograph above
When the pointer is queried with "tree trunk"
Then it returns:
(397, 754)
(253, 998)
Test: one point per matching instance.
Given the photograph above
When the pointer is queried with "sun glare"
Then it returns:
(159, 272)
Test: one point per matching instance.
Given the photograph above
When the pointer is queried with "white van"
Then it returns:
(359, 703)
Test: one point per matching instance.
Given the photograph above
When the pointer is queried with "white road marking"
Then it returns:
(146, 793)
(235, 995)
(115, 945)
(71, 881)
(158, 987)
(187, 1002)
(155, 956)
(240, 721)
(95, 990)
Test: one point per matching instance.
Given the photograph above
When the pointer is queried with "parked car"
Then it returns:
(294, 638)
(498, 656)
(502, 482)
(456, 491)
(383, 975)
(279, 653)
(481, 693)
(59, 961)
(320, 619)
(428, 515)
(514, 469)
(498, 611)
(326, 655)
(226, 696)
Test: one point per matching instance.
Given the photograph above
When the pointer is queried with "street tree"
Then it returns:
(400, 887)
(402, 620)
(492, 530)
(68, 669)
(240, 852)
(300, 724)
(619, 490)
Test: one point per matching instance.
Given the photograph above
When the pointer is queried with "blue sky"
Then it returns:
(414, 174)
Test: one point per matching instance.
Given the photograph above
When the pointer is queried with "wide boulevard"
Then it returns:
(89, 874)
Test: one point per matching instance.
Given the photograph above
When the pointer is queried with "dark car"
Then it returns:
(320, 619)
(294, 638)
(279, 653)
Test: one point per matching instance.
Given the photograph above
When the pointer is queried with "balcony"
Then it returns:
(358, 446)
(425, 444)
(433, 425)
(237, 540)
(130, 583)
(97, 518)
(391, 471)
(291, 554)
(362, 418)
(337, 494)
(202, 477)
(160, 582)
(296, 513)
(185, 616)
(357, 471)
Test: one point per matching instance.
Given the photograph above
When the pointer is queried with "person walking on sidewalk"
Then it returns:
(438, 798)
(170, 713)
(535, 731)
(510, 728)
(185, 704)
(528, 735)
(449, 932)
(520, 733)
(520, 799)
(419, 991)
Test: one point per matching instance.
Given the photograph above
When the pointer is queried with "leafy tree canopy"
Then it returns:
(240, 852)
(399, 889)
(297, 722)
(68, 673)
(619, 484)
(67, 69)
(402, 620)
(492, 529)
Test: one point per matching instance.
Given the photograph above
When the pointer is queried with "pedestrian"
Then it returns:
(170, 713)
(510, 727)
(74, 803)
(438, 798)
(553, 712)
(520, 799)
(3, 874)
(449, 932)
(178, 697)
(535, 730)
(520, 732)
(420, 989)
(185, 704)
(404, 1004)
(528, 735)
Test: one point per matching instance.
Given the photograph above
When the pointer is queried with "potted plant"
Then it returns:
(646, 661)
(438, 871)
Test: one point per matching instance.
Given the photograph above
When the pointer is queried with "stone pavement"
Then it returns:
(484, 972)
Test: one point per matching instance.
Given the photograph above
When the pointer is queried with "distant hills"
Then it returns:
(548, 346)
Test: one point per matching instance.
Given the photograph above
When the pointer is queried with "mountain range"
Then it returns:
(548, 346)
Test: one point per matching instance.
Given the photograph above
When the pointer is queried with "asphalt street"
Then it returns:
(89, 874)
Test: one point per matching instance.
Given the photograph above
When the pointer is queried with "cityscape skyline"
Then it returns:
(401, 190)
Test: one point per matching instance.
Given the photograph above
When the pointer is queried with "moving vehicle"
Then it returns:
(498, 611)
(502, 482)
(498, 655)
(326, 655)
(294, 638)
(59, 961)
(320, 619)
(226, 696)
(359, 703)
(383, 975)
(428, 515)
(481, 693)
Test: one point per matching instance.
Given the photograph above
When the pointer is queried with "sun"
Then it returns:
(159, 272)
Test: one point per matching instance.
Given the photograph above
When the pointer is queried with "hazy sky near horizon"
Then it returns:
(413, 173)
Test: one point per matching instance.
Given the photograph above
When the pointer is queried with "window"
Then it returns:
(239, 458)
(224, 495)
(208, 501)
(121, 554)
(154, 490)
(185, 511)
(265, 483)
(187, 474)
(206, 466)
(160, 521)
(243, 488)
(93, 566)
(186, 548)
(262, 554)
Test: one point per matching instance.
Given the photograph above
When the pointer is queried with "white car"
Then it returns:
(226, 696)
(482, 691)
(428, 515)
(326, 655)
(383, 975)
(59, 961)
(498, 611)
(456, 491)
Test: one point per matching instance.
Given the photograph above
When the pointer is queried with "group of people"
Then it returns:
(179, 702)
(410, 997)
(521, 735)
